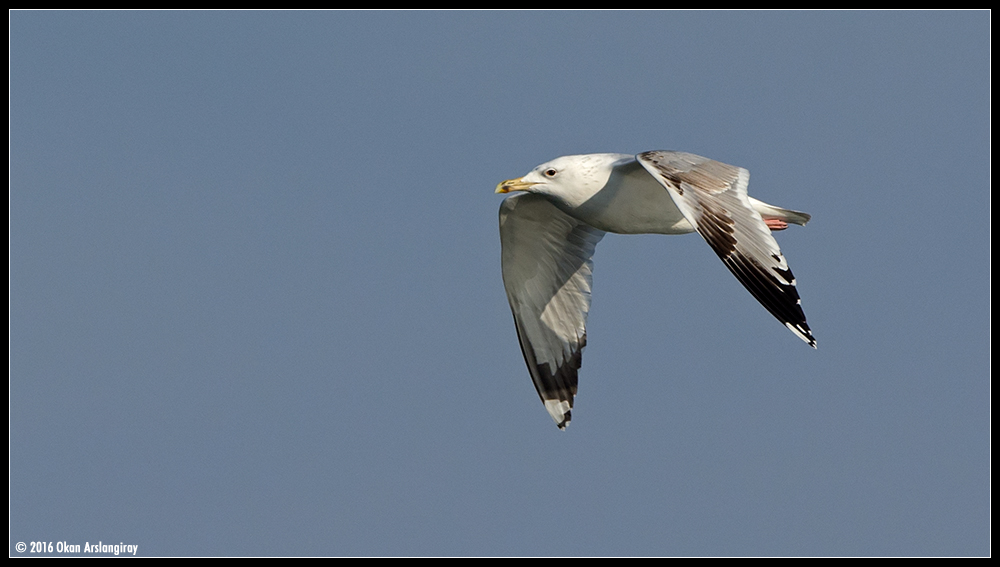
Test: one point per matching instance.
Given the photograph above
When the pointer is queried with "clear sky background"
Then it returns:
(256, 305)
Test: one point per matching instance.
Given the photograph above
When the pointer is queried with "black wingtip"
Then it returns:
(566, 417)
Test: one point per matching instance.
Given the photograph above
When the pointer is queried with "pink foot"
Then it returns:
(776, 224)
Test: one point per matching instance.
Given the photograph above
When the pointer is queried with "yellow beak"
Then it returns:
(514, 185)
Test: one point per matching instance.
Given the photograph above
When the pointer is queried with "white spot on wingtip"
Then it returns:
(810, 341)
(558, 409)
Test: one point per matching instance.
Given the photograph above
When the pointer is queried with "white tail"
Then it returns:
(772, 212)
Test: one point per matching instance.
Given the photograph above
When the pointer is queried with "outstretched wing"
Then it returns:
(546, 257)
(712, 196)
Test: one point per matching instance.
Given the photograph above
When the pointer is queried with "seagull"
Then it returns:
(549, 231)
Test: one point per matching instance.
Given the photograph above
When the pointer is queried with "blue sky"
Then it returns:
(256, 306)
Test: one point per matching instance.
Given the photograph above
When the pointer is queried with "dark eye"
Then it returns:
(550, 172)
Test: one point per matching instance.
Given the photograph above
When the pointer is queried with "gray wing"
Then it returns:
(546, 258)
(712, 196)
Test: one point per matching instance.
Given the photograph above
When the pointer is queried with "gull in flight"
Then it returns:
(549, 232)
